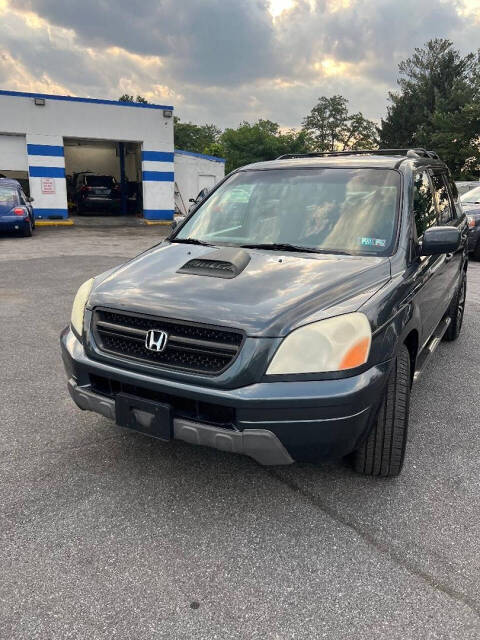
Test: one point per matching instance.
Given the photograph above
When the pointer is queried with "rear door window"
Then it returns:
(444, 203)
(8, 199)
(457, 207)
(423, 203)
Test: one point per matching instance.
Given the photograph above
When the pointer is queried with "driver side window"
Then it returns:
(423, 203)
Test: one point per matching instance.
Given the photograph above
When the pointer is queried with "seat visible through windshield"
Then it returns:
(350, 210)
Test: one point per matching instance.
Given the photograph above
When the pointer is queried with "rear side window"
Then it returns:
(8, 198)
(423, 203)
(444, 204)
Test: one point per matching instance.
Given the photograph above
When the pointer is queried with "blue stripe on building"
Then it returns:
(158, 156)
(45, 150)
(50, 214)
(116, 103)
(158, 176)
(158, 214)
(46, 172)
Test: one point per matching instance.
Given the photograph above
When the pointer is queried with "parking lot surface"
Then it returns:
(109, 534)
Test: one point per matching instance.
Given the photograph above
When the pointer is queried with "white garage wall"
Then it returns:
(46, 167)
(13, 156)
(192, 172)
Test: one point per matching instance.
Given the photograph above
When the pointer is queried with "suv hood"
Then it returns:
(273, 294)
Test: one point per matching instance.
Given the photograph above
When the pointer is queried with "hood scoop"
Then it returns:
(227, 262)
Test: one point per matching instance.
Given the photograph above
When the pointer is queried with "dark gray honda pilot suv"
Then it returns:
(288, 315)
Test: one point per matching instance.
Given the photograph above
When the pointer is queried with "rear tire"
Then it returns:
(455, 312)
(383, 452)
(27, 232)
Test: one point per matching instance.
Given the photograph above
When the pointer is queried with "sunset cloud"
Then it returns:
(224, 61)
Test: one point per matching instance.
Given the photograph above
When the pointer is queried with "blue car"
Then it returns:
(16, 212)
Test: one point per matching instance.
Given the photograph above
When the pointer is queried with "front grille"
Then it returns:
(214, 414)
(190, 346)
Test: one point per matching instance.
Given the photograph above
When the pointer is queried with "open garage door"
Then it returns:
(13, 159)
(104, 177)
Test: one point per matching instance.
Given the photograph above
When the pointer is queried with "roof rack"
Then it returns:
(410, 153)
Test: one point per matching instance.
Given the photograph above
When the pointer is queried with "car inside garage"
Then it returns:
(104, 177)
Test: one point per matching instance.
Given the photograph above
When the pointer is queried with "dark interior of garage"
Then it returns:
(104, 178)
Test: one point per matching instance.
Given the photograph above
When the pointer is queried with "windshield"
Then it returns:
(344, 210)
(471, 196)
(8, 199)
(100, 181)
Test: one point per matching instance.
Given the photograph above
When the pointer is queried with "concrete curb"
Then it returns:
(54, 223)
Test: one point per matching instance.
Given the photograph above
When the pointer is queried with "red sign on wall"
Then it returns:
(48, 185)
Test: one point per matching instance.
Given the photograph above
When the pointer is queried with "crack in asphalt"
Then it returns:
(372, 541)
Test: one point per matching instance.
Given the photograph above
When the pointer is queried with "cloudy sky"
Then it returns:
(224, 61)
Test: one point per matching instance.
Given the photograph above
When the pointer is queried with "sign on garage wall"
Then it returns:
(48, 185)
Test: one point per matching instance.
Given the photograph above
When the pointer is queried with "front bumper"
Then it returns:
(274, 422)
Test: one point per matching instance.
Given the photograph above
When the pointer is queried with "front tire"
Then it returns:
(455, 312)
(383, 452)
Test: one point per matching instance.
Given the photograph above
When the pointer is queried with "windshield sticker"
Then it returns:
(372, 242)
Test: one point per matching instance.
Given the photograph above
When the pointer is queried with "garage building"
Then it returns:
(47, 141)
(193, 173)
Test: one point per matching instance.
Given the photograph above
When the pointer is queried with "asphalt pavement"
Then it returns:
(109, 534)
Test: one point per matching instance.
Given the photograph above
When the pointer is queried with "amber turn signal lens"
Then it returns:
(357, 355)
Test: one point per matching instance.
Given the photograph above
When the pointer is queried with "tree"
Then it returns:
(330, 127)
(262, 140)
(435, 79)
(128, 98)
(194, 137)
(456, 136)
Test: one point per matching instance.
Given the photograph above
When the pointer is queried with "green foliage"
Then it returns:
(438, 106)
(262, 140)
(194, 137)
(330, 127)
(128, 98)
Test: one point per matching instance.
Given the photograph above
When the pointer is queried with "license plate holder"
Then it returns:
(152, 418)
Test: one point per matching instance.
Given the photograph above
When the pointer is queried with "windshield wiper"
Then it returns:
(285, 246)
(192, 241)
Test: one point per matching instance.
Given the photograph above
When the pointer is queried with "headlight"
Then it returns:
(335, 344)
(78, 308)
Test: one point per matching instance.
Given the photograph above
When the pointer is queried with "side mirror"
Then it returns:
(192, 200)
(30, 199)
(174, 225)
(438, 240)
